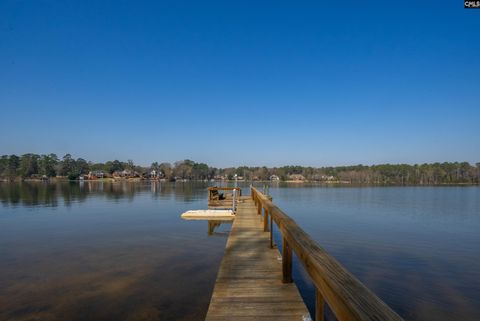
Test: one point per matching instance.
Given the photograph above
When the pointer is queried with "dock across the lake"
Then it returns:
(255, 282)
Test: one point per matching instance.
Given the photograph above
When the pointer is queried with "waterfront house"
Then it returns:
(296, 177)
(95, 175)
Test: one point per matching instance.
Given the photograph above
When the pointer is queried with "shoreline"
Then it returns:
(305, 182)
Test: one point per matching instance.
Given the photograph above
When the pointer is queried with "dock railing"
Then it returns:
(214, 199)
(346, 296)
(213, 189)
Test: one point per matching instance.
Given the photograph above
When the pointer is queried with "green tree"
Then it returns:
(200, 171)
(81, 166)
(28, 165)
(3, 165)
(114, 166)
(48, 164)
(67, 165)
(13, 166)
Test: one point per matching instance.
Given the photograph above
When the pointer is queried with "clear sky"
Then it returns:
(241, 82)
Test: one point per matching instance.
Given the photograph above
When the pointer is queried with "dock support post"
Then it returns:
(286, 262)
(319, 306)
(210, 227)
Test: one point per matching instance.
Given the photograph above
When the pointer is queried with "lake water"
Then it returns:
(119, 251)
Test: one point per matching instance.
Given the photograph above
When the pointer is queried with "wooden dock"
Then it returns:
(249, 283)
(255, 282)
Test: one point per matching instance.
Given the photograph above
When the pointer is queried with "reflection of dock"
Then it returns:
(212, 225)
(254, 281)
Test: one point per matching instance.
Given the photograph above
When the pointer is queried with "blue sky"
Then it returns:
(248, 82)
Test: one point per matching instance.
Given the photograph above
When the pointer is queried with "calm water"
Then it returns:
(119, 251)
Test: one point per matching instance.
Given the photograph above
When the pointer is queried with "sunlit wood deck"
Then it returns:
(249, 282)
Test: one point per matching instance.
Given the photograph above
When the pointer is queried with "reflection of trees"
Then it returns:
(28, 194)
(189, 191)
(71, 192)
(50, 193)
(183, 191)
(9, 195)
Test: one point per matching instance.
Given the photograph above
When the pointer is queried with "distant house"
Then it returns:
(274, 178)
(95, 175)
(155, 174)
(122, 174)
(296, 177)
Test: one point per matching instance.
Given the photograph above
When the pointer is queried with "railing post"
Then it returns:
(265, 220)
(319, 306)
(286, 262)
(259, 207)
(271, 232)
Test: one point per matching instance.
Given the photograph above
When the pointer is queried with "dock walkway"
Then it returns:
(249, 282)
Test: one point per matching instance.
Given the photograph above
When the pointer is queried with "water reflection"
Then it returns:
(415, 247)
(119, 251)
(50, 194)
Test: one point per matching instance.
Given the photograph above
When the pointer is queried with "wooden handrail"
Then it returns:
(217, 188)
(224, 188)
(346, 296)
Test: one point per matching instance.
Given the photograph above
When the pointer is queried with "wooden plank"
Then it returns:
(249, 282)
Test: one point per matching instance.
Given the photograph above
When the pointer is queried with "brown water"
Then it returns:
(98, 251)
(105, 252)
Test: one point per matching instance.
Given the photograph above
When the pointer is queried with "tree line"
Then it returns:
(50, 165)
